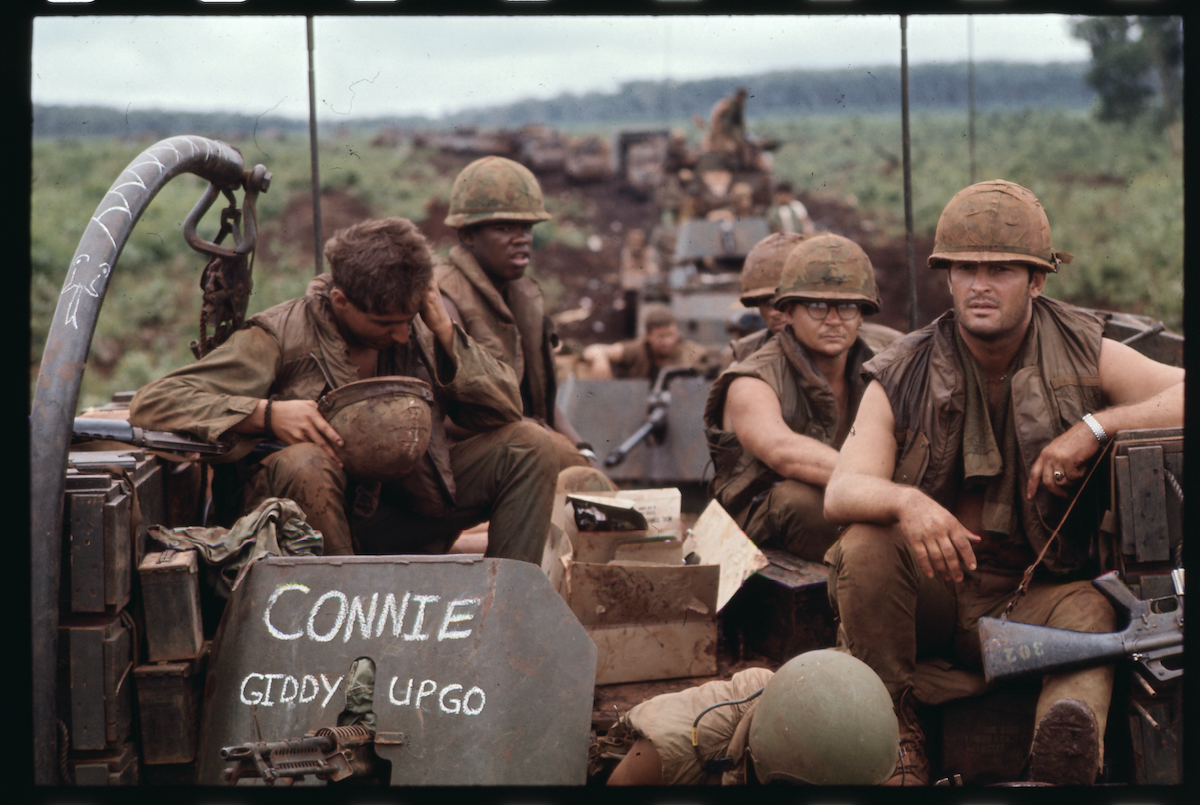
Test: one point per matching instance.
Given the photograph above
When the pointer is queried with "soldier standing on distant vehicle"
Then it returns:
(378, 313)
(727, 131)
(787, 213)
(774, 421)
(659, 348)
(494, 204)
(969, 441)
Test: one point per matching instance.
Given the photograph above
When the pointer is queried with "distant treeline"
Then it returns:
(858, 90)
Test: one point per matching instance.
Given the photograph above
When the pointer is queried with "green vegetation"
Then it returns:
(1114, 195)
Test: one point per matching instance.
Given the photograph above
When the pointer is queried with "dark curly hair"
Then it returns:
(381, 265)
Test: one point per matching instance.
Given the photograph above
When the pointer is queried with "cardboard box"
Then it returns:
(171, 597)
(654, 619)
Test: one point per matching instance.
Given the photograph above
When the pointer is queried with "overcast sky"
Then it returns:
(376, 66)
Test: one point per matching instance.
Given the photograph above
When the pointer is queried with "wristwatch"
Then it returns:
(1097, 428)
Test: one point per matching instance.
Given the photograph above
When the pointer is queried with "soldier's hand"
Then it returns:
(938, 541)
(434, 314)
(296, 421)
(1062, 463)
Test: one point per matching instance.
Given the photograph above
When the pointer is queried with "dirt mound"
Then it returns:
(293, 232)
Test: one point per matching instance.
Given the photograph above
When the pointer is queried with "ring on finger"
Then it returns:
(1059, 476)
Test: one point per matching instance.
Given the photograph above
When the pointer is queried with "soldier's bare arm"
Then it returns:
(753, 414)
(600, 357)
(861, 490)
(1142, 393)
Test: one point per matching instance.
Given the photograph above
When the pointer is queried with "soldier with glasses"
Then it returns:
(774, 421)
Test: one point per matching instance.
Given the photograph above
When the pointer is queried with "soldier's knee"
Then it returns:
(1084, 609)
(869, 545)
(303, 462)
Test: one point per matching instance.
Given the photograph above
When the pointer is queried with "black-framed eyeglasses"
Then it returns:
(847, 311)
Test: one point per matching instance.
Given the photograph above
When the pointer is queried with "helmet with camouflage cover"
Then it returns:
(828, 267)
(825, 718)
(385, 422)
(764, 264)
(995, 221)
(495, 189)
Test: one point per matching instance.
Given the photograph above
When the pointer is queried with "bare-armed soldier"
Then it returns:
(775, 421)
(970, 440)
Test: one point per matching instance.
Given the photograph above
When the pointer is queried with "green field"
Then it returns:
(1114, 196)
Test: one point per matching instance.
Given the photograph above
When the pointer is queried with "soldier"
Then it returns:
(972, 435)
(727, 131)
(494, 204)
(659, 348)
(821, 719)
(377, 313)
(788, 213)
(775, 420)
(760, 278)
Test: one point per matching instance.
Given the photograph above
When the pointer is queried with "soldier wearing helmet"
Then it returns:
(494, 204)
(760, 278)
(970, 440)
(821, 719)
(774, 421)
(377, 313)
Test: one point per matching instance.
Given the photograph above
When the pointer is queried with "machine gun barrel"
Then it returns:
(1016, 649)
(658, 401)
(654, 419)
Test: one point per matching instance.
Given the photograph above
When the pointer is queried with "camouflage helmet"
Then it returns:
(764, 264)
(385, 422)
(828, 267)
(495, 189)
(825, 718)
(995, 221)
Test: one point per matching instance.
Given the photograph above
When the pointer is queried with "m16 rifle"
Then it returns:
(1154, 633)
(329, 753)
(655, 424)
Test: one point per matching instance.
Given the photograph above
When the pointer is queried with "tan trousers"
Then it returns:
(505, 476)
(890, 615)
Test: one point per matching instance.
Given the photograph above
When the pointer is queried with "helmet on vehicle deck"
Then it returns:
(995, 221)
(495, 189)
(828, 267)
(825, 718)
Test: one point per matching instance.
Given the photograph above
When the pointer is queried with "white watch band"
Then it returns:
(1097, 428)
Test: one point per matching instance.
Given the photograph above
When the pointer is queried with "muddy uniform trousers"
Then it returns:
(505, 476)
(791, 518)
(890, 614)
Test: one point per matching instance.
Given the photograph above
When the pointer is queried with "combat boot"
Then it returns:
(912, 766)
(1066, 745)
